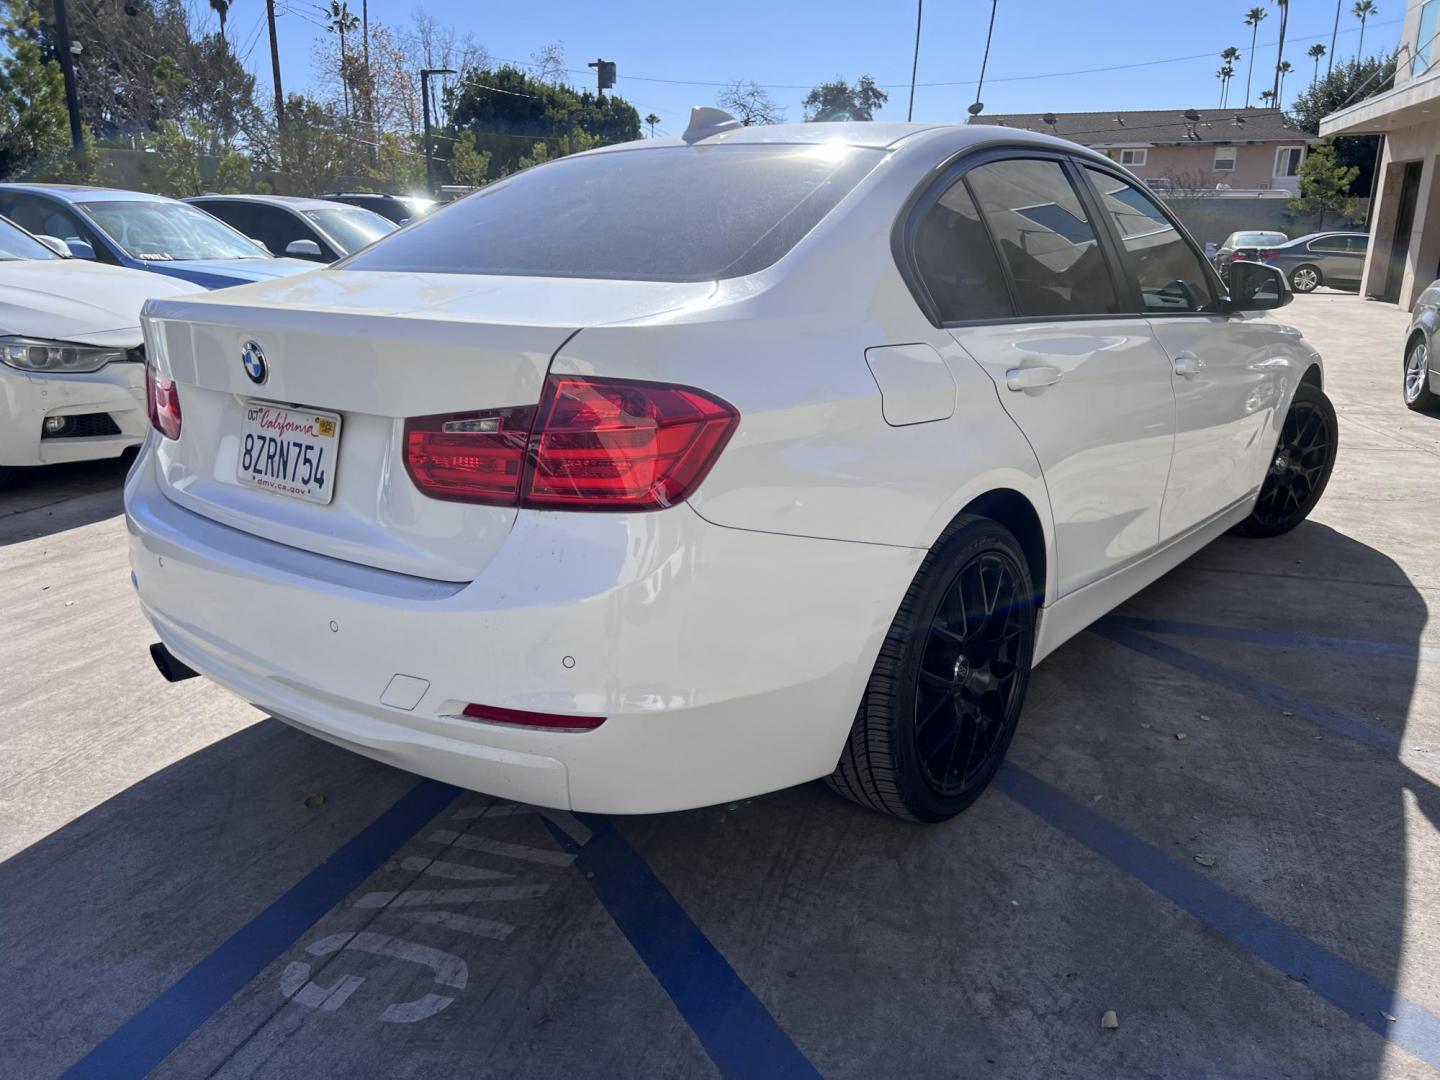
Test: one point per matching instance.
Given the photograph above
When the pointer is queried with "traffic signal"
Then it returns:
(604, 73)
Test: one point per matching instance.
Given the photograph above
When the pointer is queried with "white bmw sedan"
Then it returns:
(72, 387)
(685, 470)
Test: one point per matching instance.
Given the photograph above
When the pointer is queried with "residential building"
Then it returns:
(1191, 150)
(1404, 254)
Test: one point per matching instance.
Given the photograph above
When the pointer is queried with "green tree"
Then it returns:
(181, 148)
(509, 112)
(1316, 52)
(1325, 185)
(468, 165)
(1346, 83)
(838, 100)
(34, 126)
(1363, 9)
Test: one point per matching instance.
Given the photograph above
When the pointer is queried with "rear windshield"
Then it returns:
(1251, 239)
(676, 213)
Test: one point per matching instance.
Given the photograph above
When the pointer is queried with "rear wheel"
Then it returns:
(1418, 394)
(943, 701)
(1300, 467)
(1305, 278)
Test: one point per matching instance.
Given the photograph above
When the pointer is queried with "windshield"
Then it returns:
(15, 244)
(162, 231)
(352, 228)
(675, 213)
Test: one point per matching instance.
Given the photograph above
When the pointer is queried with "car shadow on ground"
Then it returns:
(48, 499)
(991, 943)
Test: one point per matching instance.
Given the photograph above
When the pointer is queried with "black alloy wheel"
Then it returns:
(1300, 468)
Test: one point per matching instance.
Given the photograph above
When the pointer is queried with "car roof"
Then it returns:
(85, 193)
(294, 202)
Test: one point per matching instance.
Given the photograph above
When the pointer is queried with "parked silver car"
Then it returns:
(1336, 259)
(1422, 375)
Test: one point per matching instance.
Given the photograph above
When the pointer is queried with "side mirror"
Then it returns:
(55, 244)
(303, 249)
(1257, 287)
(80, 249)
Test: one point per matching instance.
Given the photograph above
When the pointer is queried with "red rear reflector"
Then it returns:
(162, 401)
(555, 721)
(473, 457)
(593, 444)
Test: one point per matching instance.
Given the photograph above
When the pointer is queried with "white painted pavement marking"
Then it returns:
(452, 870)
(497, 847)
(470, 813)
(465, 924)
(570, 825)
(447, 969)
(396, 898)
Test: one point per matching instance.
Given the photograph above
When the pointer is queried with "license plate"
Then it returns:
(289, 451)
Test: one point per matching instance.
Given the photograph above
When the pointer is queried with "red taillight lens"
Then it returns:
(593, 444)
(1263, 255)
(476, 457)
(162, 399)
(524, 718)
(1235, 256)
(611, 445)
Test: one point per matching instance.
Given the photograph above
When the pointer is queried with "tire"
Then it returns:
(1300, 468)
(913, 714)
(1415, 377)
(7, 473)
(1305, 279)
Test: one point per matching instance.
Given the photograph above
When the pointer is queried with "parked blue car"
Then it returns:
(143, 232)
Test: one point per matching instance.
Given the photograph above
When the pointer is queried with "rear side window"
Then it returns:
(957, 261)
(676, 213)
(1172, 276)
(1045, 238)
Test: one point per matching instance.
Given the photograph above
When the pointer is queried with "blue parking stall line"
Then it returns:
(738, 1033)
(1245, 635)
(1365, 998)
(149, 1036)
(1346, 725)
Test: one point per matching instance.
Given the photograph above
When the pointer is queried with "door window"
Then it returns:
(46, 218)
(1357, 245)
(957, 262)
(1171, 274)
(1045, 237)
(1330, 243)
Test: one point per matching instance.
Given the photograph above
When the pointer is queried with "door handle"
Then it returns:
(1187, 365)
(1032, 378)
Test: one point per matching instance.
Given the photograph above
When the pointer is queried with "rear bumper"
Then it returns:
(26, 399)
(727, 663)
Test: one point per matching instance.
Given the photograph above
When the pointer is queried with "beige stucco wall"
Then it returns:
(1254, 165)
(1421, 143)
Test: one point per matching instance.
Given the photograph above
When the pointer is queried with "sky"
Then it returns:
(1047, 55)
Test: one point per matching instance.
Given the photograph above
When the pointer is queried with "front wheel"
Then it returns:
(942, 703)
(1300, 467)
(1304, 279)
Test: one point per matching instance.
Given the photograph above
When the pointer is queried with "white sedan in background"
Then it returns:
(689, 469)
(72, 377)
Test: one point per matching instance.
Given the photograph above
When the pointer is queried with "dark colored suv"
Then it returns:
(398, 208)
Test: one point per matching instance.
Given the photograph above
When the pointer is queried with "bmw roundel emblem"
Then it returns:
(253, 359)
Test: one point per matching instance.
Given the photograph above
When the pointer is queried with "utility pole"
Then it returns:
(275, 65)
(915, 64)
(67, 68)
(425, 74)
(604, 76)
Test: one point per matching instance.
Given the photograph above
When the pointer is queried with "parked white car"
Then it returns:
(690, 469)
(72, 380)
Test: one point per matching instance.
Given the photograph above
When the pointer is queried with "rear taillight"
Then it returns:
(162, 400)
(1263, 255)
(1235, 256)
(592, 444)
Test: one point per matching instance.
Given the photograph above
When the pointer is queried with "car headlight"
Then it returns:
(55, 357)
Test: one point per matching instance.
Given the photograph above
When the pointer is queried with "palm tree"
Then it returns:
(1227, 72)
(1253, 19)
(1315, 52)
(339, 20)
(1334, 33)
(1267, 98)
(1284, 6)
(652, 120)
(222, 9)
(1363, 9)
(1283, 70)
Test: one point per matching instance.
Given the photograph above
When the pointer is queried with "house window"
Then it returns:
(1287, 160)
(1225, 155)
(1134, 158)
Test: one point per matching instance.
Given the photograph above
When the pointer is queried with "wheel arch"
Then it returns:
(1316, 378)
(1016, 512)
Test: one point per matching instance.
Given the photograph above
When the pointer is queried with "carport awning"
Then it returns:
(1414, 102)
